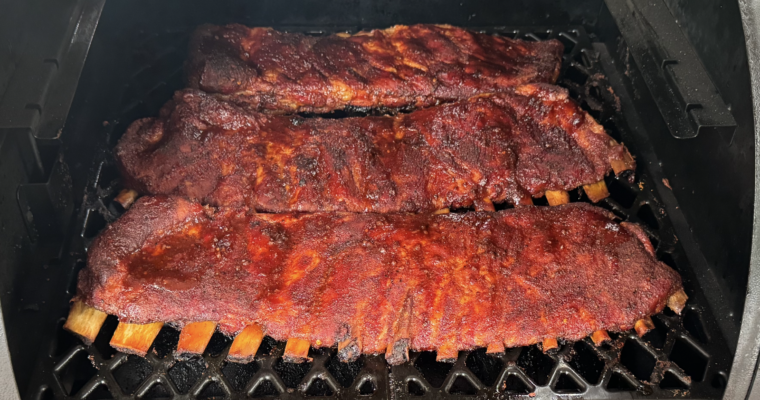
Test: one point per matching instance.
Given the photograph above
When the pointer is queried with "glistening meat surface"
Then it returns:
(398, 67)
(496, 148)
(409, 281)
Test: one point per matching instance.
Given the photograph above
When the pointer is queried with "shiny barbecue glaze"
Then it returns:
(399, 67)
(427, 281)
(496, 148)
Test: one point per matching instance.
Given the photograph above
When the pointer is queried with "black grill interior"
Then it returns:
(683, 356)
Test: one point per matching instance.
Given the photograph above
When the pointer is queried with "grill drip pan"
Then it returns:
(684, 356)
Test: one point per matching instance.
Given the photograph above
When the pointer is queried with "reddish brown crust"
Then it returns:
(417, 282)
(399, 67)
(493, 148)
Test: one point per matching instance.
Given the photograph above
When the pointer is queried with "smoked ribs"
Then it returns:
(504, 147)
(379, 283)
(399, 67)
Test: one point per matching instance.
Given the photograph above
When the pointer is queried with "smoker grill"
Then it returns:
(668, 78)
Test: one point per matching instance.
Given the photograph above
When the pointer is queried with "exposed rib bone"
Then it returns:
(600, 337)
(677, 301)
(557, 197)
(134, 338)
(349, 350)
(126, 197)
(84, 321)
(195, 337)
(447, 353)
(296, 351)
(625, 163)
(398, 351)
(643, 326)
(549, 344)
(596, 191)
(484, 205)
(246, 344)
(495, 348)
(441, 211)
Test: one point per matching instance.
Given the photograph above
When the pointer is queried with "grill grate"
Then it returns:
(683, 356)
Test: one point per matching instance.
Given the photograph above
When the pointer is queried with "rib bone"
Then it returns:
(600, 337)
(495, 348)
(447, 353)
(557, 197)
(84, 321)
(624, 162)
(126, 197)
(195, 337)
(134, 338)
(643, 326)
(596, 191)
(549, 344)
(349, 350)
(246, 344)
(296, 351)
(677, 301)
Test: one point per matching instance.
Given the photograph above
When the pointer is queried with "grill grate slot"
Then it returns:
(657, 365)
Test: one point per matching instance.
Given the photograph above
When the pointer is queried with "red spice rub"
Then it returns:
(419, 282)
(496, 148)
(398, 67)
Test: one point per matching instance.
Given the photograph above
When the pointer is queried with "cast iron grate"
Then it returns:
(675, 359)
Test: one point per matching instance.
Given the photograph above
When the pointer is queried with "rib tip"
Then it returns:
(596, 191)
(135, 338)
(84, 321)
(557, 197)
(549, 344)
(194, 338)
(643, 326)
(349, 350)
(240, 360)
(495, 348)
(126, 198)
(600, 337)
(677, 301)
(398, 352)
(296, 351)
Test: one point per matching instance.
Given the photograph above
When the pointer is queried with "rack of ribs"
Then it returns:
(377, 283)
(506, 147)
(397, 68)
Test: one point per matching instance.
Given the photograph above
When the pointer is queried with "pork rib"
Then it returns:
(379, 281)
(399, 67)
(496, 148)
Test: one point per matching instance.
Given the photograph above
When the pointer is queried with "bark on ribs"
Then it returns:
(399, 67)
(495, 148)
(378, 281)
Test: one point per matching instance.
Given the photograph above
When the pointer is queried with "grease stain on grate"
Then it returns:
(586, 362)
(515, 385)
(130, 374)
(637, 359)
(184, 374)
(485, 367)
(433, 371)
(238, 375)
(265, 389)
(536, 365)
